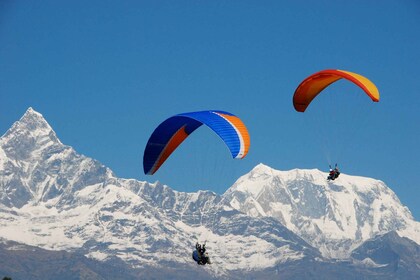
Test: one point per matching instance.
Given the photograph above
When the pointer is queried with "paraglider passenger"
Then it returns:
(334, 173)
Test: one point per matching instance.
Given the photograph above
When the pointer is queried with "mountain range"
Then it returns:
(270, 224)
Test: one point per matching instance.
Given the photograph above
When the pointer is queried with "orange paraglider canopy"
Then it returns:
(314, 84)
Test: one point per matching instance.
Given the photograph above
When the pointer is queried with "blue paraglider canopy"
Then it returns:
(173, 131)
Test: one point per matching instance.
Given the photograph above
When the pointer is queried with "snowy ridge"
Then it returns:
(332, 216)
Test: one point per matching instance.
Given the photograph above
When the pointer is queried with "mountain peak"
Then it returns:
(32, 127)
(326, 214)
(35, 121)
(31, 111)
(36, 166)
(263, 171)
(261, 168)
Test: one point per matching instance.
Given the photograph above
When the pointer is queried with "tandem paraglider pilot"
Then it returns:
(200, 255)
(334, 173)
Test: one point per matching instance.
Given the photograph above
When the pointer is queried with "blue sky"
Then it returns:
(105, 73)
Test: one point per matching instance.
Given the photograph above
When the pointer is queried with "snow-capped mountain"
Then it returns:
(36, 167)
(54, 198)
(269, 221)
(334, 217)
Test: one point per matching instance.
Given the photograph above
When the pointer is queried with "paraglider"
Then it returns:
(174, 130)
(334, 173)
(312, 86)
(309, 88)
(200, 254)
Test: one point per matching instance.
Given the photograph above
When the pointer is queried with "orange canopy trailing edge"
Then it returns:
(314, 84)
